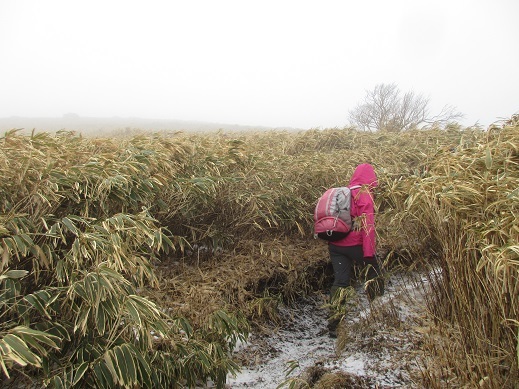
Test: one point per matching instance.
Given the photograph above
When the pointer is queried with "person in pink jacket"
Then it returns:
(360, 244)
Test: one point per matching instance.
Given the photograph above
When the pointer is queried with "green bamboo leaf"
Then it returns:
(79, 372)
(4, 348)
(19, 352)
(27, 239)
(4, 368)
(82, 319)
(33, 343)
(121, 366)
(12, 288)
(22, 246)
(144, 370)
(14, 274)
(110, 306)
(62, 272)
(36, 302)
(134, 313)
(109, 365)
(100, 320)
(46, 296)
(59, 331)
(79, 289)
(10, 244)
(103, 375)
(57, 382)
(130, 364)
(89, 283)
(204, 359)
(70, 225)
(40, 336)
(145, 305)
(184, 325)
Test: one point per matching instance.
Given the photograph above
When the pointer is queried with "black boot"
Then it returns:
(334, 319)
(341, 300)
(332, 327)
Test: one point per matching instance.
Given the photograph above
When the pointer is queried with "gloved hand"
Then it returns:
(370, 260)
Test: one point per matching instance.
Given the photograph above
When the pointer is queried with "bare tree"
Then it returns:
(384, 108)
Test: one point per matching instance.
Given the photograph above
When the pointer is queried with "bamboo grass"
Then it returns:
(194, 224)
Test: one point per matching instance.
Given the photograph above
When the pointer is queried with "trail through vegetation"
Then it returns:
(378, 343)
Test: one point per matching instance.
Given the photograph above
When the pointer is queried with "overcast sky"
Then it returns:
(276, 63)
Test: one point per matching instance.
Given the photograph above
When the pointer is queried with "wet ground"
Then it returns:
(378, 344)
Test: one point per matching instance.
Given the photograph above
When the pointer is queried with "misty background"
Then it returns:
(249, 64)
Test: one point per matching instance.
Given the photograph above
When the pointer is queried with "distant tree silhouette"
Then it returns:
(385, 109)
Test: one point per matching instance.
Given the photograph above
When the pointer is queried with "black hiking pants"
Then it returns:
(343, 259)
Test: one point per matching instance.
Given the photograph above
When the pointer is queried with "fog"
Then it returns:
(284, 63)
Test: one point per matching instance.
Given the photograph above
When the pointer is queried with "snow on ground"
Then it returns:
(379, 344)
(303, 339)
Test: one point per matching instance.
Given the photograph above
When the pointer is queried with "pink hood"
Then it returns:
(364, 175)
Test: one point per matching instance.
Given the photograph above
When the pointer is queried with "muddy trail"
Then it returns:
(378, 343)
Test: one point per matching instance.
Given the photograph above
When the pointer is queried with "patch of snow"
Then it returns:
(372, 350)
(303, 339)
(352, 364)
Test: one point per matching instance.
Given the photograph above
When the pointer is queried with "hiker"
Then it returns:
(358, 247)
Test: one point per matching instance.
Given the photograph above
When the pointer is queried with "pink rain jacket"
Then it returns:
(362, 204)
